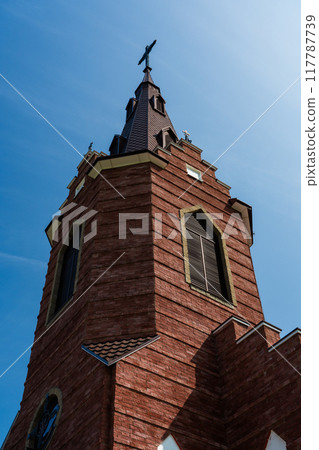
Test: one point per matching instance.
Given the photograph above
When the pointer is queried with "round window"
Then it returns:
(45, 420)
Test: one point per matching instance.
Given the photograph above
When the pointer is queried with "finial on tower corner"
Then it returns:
(145, 57)
(186, 136)
(90, 146)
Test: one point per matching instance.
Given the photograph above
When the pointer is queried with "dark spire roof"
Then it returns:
(147, 122)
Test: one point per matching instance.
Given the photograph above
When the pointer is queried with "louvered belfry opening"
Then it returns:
(205, 256)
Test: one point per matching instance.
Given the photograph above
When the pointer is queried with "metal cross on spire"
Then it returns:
(145, 57)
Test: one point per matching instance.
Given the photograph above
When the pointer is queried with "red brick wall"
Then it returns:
(187, 382)
(261, 389)
(178, 384)
(120, 304)
(167, 186)
(174, 384)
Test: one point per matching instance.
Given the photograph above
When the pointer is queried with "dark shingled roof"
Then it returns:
(112, 351)
(143, 127)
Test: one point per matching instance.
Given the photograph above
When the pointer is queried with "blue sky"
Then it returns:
(219, 66)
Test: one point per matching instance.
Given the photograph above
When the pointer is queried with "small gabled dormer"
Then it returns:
(118, 145)
(166, 136)
(158, 103)
(130, 107)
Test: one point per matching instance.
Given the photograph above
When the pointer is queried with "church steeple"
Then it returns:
(147, 122)
(150, 332)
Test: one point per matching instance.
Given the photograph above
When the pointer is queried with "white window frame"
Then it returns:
(194, 173)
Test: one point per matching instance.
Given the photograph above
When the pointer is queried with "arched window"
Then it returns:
(206, 261)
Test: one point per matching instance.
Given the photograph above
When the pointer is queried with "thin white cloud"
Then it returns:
(21, 259)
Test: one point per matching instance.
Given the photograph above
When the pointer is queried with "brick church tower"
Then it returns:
(151, 333)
